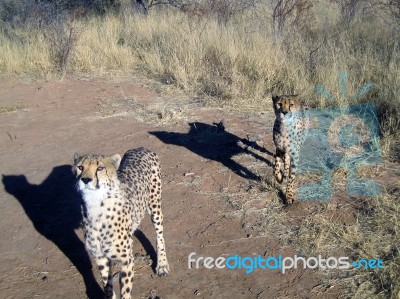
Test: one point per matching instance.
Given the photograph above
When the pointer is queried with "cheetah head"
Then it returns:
(95, 173)
(285, 105)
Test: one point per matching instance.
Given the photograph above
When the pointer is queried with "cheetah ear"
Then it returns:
(275, 98)
(116, 160)
(76, 158)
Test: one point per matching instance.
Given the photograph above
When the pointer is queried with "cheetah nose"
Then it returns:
(86, 180)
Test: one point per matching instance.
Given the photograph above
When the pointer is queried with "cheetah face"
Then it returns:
(96, 173)
(285, 106)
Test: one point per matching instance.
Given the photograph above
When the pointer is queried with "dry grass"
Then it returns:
(25, 53)
(359, 229)
(11, 108)
(237, 63)
(373, 234)
(159, 113)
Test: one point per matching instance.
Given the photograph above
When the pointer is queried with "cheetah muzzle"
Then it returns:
(116, 194)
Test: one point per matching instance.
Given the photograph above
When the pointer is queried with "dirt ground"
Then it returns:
(210, 202)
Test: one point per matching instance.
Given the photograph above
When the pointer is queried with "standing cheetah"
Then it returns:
(115, 196)
(289, 132)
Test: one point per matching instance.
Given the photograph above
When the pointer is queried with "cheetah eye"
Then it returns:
(100, 168)
(291, 105)
(80, 168)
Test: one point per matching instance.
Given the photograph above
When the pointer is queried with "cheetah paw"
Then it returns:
(289, 200)
(162, 270)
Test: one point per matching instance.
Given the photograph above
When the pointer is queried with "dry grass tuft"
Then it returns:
(11, 108)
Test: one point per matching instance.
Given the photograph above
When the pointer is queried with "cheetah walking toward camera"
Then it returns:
(289, 132)
(115, 196)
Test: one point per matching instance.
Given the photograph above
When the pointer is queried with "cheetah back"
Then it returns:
(140, 177)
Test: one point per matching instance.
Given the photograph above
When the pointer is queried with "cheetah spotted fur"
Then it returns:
(115, 195)
(289, 132)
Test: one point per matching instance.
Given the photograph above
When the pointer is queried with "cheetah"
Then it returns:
(289, 132)
(115, 195)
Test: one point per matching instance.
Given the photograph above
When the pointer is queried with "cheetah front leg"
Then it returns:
(291, 168)
(162, 268)
(104, 265)
(277, 168)
(126, 278)
(286, 165)
(290, 186)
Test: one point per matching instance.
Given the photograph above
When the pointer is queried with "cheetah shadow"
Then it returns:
(215, 143)
(54, 209)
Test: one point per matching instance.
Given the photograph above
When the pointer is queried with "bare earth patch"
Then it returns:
(219, 197)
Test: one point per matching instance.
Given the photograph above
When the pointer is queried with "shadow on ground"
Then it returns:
(148, 247)
(54, 209)
(215, 143)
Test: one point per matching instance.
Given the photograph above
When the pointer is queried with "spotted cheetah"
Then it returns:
(289, 132)
(115, 195)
